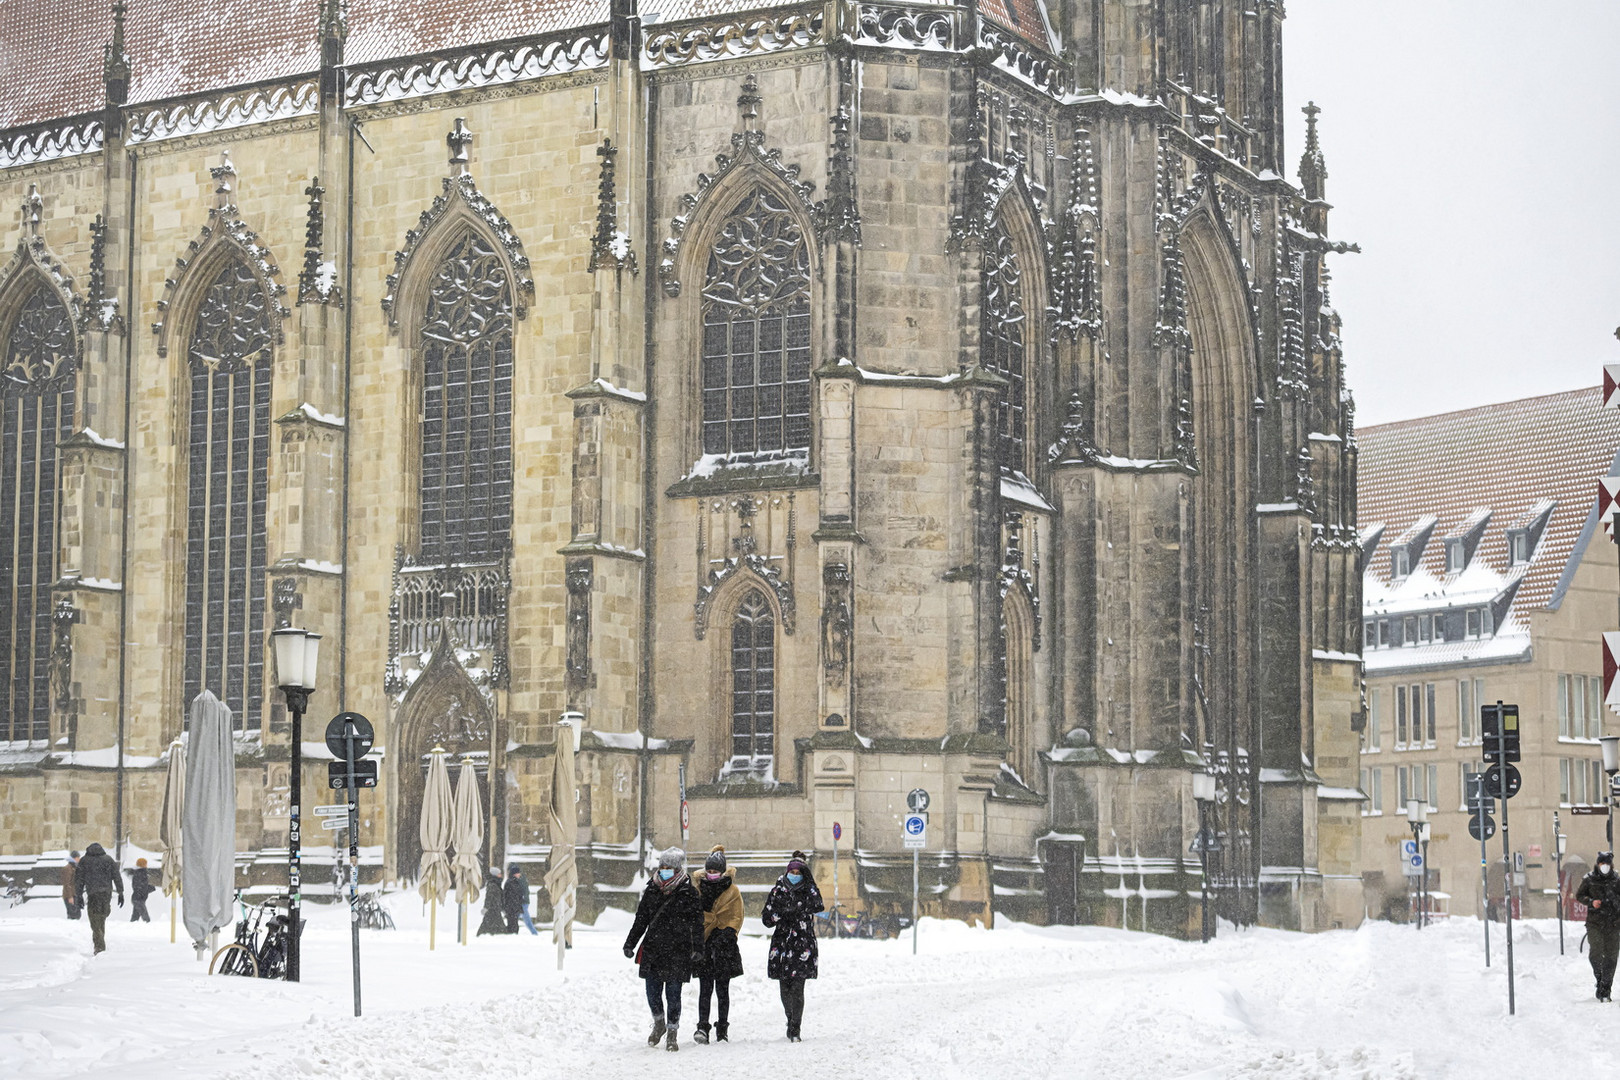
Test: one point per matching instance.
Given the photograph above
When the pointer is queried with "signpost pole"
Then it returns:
(916, 857)
(836, 831)
(1507, 850)
(681, 772)
(353, 795)
(1484, 876)
(1558, 861)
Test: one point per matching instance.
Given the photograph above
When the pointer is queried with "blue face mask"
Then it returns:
(666, 873)
(794, 879)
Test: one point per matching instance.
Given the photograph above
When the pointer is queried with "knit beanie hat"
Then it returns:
(673, 857)
(716, 862)
(798, 864)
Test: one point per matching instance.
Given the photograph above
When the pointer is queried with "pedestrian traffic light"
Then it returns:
(1499, 727)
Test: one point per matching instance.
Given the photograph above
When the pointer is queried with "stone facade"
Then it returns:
(1056, 509)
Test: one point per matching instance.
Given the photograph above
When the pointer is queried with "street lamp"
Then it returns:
(1203, 786)
(1417, 816)
(1611, 765)
(297, 659)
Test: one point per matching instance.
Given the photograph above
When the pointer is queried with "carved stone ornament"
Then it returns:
(578, 575)
(63, 616)
(31, 254)
(610, 246)
(748, 152)
(760, 567)
(100, 310)
(225, 226)
(727, 38)
(317, 281)
(1016, 575)
(461, 192)
(1074, 439)
(837, 622)
(284, 600)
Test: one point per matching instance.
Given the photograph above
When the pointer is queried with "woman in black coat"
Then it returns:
(791, 908)
(669, 931)
(494, 921)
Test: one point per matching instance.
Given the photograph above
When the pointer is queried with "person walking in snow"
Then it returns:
(1600, 892)
(722, 960)
(494, 921)
(95, 877)
(516, 892)
(669, 932)
(791, 908)
(140, 887)
(70, 895)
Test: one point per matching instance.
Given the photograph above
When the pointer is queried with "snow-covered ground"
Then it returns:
(1381, 1002)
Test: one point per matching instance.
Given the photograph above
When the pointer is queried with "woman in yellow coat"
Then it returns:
(722, 960)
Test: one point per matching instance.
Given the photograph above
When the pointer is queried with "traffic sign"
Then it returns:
(335, 823)
(1499, 732)
(914, 829)
(331, 811)
(917, 801)
(365, 773)
(838, 832)
(1593, 810)
(1411, 859)
(339, 728)
(1494, 777)
(1481, 828)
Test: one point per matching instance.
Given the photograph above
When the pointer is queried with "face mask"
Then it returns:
(794, 879)
(1605, 868)
(666, 873)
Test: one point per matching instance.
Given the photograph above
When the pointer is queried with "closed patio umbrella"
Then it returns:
(170, 829)
(435, 830)
(468, 835)
(562, 879)
(208, 821)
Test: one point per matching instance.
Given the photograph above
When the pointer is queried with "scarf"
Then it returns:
(667, 887)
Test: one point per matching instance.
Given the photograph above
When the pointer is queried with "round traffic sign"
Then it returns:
(1493, 781)
(337, 730)
(1481, 828)
(686, 817)
(915, 825)
(838, 831)
(917, 801)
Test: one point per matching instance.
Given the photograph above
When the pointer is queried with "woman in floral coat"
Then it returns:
(791, 909)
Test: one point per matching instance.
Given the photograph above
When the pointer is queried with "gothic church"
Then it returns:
(824, 399)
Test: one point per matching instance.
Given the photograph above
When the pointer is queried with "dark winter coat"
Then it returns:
(494, 921)
(69, 895)
(669, 932)
(97, 875)
(1604, 887)
(791, 909)
(516, 892)
(722, 918)
(140, 884)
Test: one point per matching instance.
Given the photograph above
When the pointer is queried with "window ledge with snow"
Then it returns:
(716, 473)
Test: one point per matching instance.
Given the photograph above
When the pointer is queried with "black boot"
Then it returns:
(701, 1035)
(669, 1040)
(657, 1032)
(720, 1030)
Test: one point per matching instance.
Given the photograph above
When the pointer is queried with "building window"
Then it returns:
(1518, 547)
(1400, 563)
(753, 685)
(1409, 628)
(1580, 706)
(1383, 632)
(1431, 787)
(756, 334)
(1474, 622)
(1372, 786)
(1465, 769)
(36, 412)
(229, 452)
(1371, 735)
(1454, 556)
(1428, 712)
(466, 450)
(1369, 634)
(1470, 696)
(1400, 719)
(1001, 343)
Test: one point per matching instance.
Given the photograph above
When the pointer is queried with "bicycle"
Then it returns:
(15, 892)
(260, 948)
(371, 914)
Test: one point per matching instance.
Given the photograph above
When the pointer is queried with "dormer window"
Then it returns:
(1455, 557)
(1518, 543)
(1474, 622)
(1401, 563)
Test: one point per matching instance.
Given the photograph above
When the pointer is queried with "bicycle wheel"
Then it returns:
(235, 959)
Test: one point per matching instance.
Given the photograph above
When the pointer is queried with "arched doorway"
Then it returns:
(442, 709)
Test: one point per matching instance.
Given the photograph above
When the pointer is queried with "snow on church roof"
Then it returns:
(1482, 474)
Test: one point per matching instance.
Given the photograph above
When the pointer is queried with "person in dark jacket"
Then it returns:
(1600, 892)
(494, 904)
(722, 960)
(140, 887)
(669, 931)
(791, 908)
(516, 892)
(96, 877)
(70, 895)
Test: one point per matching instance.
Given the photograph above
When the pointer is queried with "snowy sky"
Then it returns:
(1473, 151)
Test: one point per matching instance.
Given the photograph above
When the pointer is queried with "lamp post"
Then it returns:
(1611, 765)
(1203, 785)
(1417, 816)
(297, 659)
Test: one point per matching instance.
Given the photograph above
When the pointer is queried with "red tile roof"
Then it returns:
(1505, 457)
(50, 50)
(1024, 17)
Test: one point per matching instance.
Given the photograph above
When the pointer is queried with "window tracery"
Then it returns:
(466, 435)
(753, 684)
(228, 353)
(756, 333)
(36, 413)
(1001, 343)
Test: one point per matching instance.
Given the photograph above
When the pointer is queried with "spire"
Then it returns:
(115, 60)
(333, 31)
(1312, 167)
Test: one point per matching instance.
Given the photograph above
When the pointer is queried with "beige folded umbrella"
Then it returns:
(170, 830)
(467, 831)
(437, 817)
(562, 879)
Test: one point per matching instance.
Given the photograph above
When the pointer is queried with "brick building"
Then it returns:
(832, 399)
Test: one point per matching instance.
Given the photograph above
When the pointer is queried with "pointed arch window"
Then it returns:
(1002, 346)
(229, 357)
(756, 334)
(753, 684)
(466, 436)
(36, 413)
(1018, 685)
